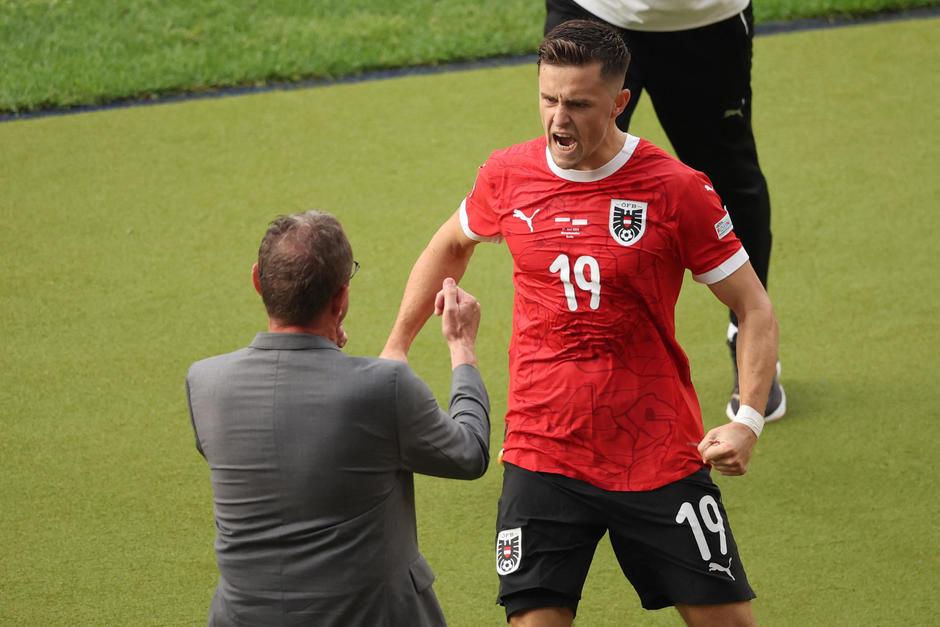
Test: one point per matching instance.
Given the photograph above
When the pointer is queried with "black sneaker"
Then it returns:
(776, 401)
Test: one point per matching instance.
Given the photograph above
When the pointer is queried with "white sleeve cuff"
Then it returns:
(465, 225)
(724, 270)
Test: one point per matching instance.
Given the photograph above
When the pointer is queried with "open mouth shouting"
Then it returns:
(564, 142)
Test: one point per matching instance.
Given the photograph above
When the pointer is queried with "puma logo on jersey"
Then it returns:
(712, 566)
(527, 219)
(735, 112)
(709, 188)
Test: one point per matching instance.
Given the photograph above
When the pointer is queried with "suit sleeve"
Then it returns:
(452, 444)
(192, 416)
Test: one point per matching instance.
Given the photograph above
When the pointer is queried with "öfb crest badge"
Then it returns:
(508, 550)
(627, 221)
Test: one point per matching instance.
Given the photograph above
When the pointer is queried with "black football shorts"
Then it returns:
(674, 543)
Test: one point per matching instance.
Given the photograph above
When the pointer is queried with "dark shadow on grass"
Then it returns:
(767, 28)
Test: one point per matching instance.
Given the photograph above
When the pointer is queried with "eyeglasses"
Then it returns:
(355, 269)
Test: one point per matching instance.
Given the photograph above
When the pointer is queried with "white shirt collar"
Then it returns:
(588, 176)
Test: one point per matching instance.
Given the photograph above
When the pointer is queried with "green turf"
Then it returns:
(63, 53)
(128, 239)
(773, 10)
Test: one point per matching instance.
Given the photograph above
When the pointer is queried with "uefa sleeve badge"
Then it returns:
(627, 221)
(723, 226)
(508, 550)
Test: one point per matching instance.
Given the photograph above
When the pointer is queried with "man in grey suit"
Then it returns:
(311, 451)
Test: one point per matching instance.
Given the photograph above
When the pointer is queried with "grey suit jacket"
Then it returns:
(311, 454)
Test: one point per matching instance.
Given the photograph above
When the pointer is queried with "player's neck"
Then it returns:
(613, 143)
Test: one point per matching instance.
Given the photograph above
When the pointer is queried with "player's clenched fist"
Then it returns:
(460, 320)
(728, 448)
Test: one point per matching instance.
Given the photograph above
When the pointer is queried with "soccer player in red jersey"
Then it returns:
(603, 429)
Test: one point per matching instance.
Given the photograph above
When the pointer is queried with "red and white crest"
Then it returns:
(627, 220)
(508, 550)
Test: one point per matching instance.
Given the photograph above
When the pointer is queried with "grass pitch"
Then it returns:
(60, 53)
(129, 235)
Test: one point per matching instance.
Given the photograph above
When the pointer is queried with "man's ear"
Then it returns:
(621, 101)
(340, 302)
(255, 278)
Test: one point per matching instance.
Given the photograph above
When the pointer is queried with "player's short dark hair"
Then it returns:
(582, 42)
(303, 261)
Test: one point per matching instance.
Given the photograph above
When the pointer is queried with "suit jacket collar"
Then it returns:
(291, 341)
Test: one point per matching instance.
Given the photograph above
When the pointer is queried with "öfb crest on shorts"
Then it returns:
(508, 550)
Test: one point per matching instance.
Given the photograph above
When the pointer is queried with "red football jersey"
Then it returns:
(600, 390)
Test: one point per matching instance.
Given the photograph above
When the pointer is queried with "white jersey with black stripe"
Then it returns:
(663, 15)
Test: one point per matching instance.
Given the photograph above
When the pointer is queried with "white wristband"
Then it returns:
(749, 416)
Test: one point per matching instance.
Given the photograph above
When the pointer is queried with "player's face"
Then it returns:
(579, 108)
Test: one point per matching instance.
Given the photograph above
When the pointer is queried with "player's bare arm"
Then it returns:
(446, 255)
(728, 447)
(757, 333)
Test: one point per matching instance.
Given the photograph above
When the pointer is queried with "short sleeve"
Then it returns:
(708, 245)
(478, 216)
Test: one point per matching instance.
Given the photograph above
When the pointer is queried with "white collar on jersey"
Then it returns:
(588, 176)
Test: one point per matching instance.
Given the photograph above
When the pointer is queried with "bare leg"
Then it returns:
(543, 617)
(723, 615)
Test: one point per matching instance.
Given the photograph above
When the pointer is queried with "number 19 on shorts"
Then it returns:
(711, 517)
